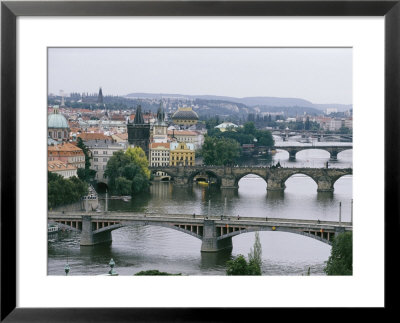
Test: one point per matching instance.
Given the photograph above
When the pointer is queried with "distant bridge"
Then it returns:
(322, 137)
(229, 177)
(333, 150)
(215, 232)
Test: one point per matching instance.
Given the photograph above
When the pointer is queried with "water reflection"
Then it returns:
(138, 248)
(212, 259)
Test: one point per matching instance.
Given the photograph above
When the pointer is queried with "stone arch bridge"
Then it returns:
(332, 150)
(229, 177)
(215, 232)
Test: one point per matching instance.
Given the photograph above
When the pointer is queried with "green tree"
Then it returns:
(264, 138)
(249, 128)
(220, 151)
(85, 174)
(255, 255)
(237, 266)
(139, 158)
(61, 191)
(127, 172)
(340, 261)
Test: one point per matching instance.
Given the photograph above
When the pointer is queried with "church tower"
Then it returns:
(160, 127)
(100, 100)
(139, 132)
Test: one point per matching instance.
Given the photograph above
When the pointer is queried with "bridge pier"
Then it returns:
(181, 181)
(334, 155)
(229, 181)
(292, 155)
(88, 238)
(210, 243)
(275, 185)
(324, 185)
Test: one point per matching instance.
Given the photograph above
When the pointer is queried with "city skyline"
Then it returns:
(319, 75)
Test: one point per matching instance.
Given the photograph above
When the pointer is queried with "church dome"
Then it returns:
(185, 114)
(57, 120)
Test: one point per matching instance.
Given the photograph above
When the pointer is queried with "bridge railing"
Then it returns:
(126, 216)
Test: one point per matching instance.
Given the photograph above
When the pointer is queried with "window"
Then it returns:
(104, 152)
(95, 159)
(95, 152)
(104, 159)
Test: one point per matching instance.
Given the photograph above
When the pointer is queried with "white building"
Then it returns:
(102, 151)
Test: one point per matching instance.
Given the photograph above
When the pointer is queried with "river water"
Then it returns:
(140, 248)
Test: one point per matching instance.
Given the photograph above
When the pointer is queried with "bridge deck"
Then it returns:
(199, 219)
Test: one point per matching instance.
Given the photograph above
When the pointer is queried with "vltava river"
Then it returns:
(140, 248)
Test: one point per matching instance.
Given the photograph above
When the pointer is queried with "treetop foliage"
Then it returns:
(340, 261)
(127, 172)
(63, 191)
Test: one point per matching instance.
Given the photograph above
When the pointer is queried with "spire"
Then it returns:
(160, 114)
(138, 116)
(100, 97)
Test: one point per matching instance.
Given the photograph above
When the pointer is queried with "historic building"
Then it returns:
(185, 117)
(160, 127)
(101, 151)
(159, 154)
(139, 132)
(67, 153)
(181, 154)
(57, 126)
(193, 137)
(61, 168)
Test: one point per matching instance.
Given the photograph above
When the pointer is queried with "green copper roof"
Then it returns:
(57, 120)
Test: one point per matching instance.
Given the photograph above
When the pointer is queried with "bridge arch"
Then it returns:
(209, 173)
(239, 177)
(342, 150)
(299, 172)
(277, 229)
(313, 150)
(188, 230)
(335, 179)
(170, 173)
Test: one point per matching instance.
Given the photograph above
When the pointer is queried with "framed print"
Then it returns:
(236, 70)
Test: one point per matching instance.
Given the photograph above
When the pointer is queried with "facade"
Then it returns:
(57, 126)
(185, 117)
(182, 154)
(335, 124)
(348, 123)
(193, 137)
(159, 154)
(101, 151)
(61, 168)
(67, 153)
(139, 132)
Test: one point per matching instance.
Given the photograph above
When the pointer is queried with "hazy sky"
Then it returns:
(320, 75)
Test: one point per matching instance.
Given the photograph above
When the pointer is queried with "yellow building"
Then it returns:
(185, 117)
(181, 154)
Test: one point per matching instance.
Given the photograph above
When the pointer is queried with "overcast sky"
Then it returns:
(320, 75)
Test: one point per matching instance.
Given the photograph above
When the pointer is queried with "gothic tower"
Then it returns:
(100, 100)
(160, 127)
(139, 132)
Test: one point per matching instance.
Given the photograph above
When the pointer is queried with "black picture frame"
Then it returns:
(10, 10)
